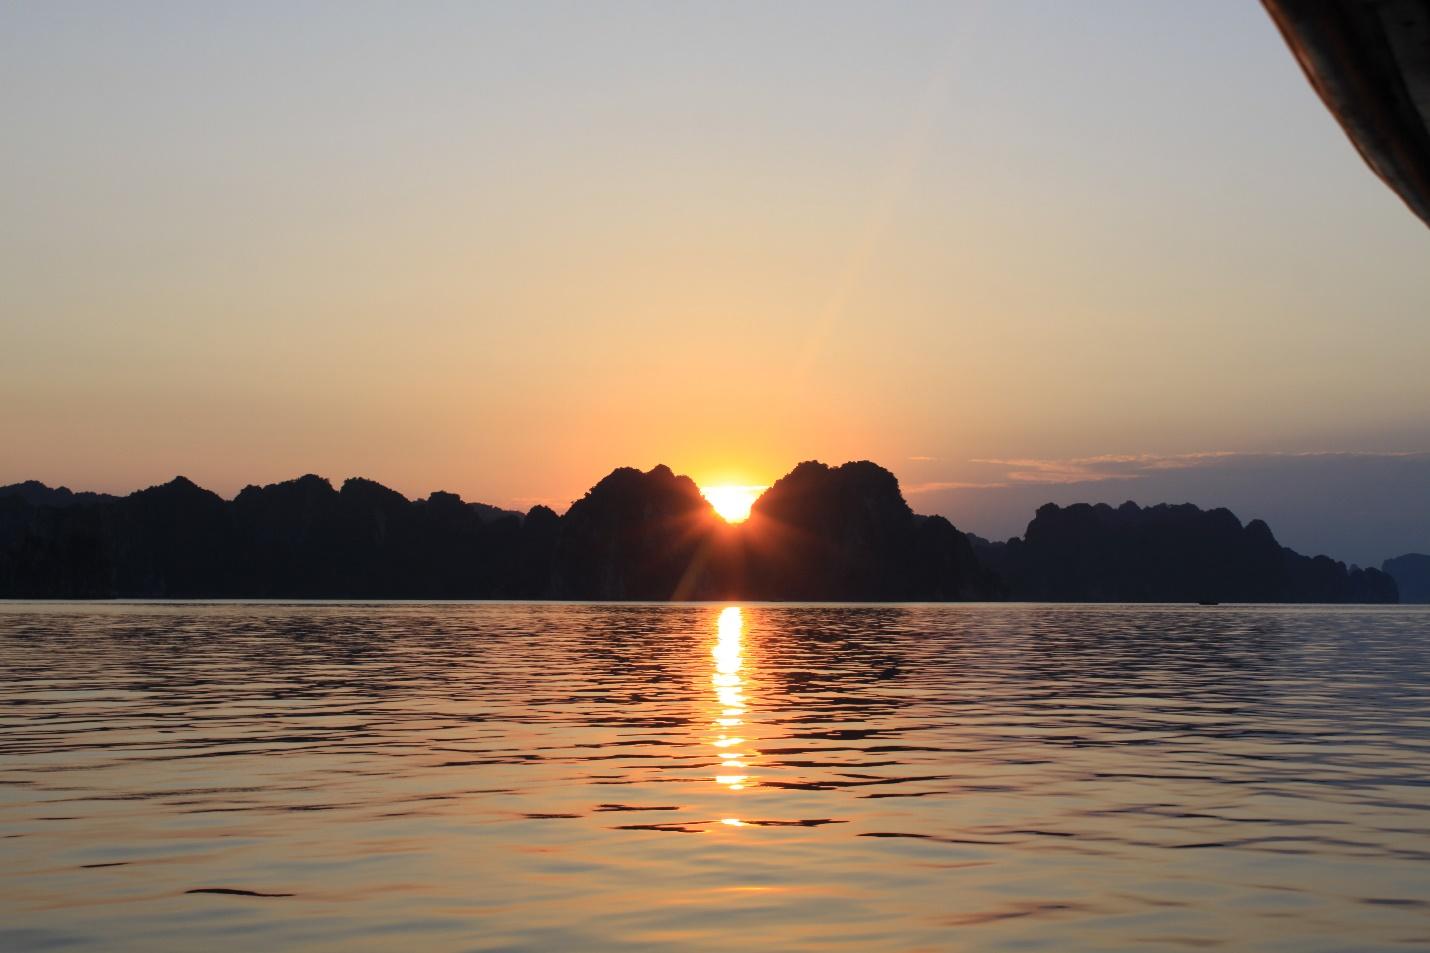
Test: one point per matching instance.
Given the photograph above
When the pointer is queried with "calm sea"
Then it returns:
(703, 777)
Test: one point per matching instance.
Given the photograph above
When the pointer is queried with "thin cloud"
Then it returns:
(918, 488)
(1132, 466)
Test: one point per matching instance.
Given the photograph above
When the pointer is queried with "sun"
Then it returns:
(732, 502)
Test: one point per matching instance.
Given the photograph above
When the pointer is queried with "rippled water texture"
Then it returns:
(575, 777)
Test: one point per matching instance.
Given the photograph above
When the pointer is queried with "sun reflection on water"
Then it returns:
(728, 653)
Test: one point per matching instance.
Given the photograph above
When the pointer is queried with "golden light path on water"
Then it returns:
(728, 654)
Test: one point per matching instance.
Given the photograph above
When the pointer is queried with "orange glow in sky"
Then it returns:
(732, 502)
(984, 259)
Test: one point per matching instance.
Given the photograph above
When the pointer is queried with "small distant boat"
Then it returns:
(1208, 602)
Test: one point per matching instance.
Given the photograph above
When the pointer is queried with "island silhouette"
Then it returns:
(820, 533)
(1411, 573)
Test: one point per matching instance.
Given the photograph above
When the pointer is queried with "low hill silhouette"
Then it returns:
(820, 533)
(37, 494)
(1411, 573)
(1167, 553)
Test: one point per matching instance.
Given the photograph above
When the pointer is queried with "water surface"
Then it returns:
(590, 777)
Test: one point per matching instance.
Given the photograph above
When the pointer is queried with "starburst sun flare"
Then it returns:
(731, 501)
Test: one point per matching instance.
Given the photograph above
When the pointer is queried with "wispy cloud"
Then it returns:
(938, 485)
(1130, 466)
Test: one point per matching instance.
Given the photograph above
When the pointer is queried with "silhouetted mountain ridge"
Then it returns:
(37, 494)
(1167, 553)
(820, 533)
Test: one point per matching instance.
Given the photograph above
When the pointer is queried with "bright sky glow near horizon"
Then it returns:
(1013, 251)
(732, 502)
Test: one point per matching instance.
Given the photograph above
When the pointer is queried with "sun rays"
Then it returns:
(732, 501)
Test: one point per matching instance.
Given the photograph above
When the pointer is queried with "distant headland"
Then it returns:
(820, 533)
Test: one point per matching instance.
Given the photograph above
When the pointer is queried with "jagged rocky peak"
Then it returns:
(541, 513)
(179, 484)
(637, 535)
(180, 490)
(659, 483)
(36, 493)
(363, 492)
(310, 485)
(846, 532)
(814, 492)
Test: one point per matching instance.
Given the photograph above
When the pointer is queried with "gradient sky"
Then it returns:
(499, 249)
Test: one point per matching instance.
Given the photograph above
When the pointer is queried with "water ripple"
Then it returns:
(492, 776)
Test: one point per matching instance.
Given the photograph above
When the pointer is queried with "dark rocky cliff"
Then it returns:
(836, 533)
(833, 533)
(820, 533)
(640, 536)
(1166, 553)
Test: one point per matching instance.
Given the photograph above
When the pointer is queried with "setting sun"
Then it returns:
(732, 502)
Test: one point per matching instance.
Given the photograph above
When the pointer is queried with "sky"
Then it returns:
(1013, 251)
